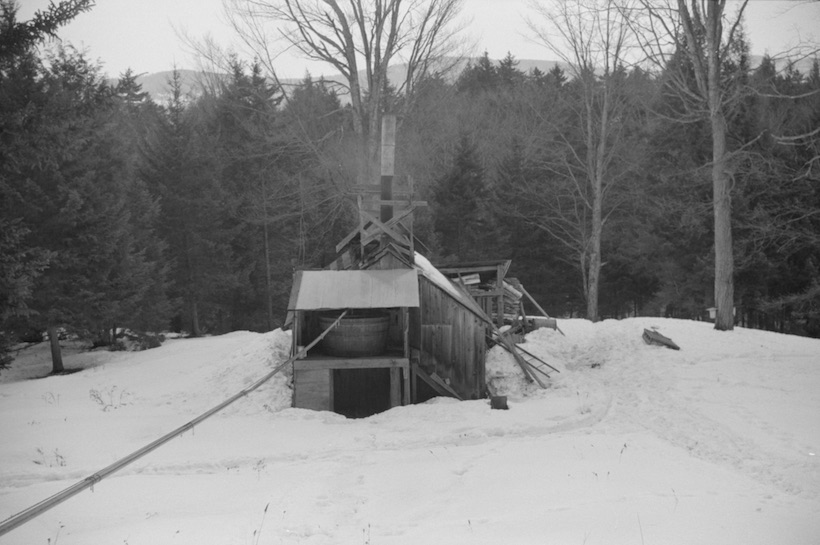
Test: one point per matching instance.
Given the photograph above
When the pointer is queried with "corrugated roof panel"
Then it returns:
(317, 290)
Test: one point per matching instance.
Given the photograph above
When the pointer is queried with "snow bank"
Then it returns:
(631, 443)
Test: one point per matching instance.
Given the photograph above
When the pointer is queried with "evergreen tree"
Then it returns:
(179, 165)
(252, 149)
(17, 39)
(314, 207)
(459, 212)
(21, 262)
(508, 73)
(537, 259)
(137, 282)
(775, 213)
(556, 77)
(479, 77)
(68, 186)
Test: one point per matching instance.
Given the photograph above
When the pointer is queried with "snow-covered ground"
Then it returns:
(632, 444)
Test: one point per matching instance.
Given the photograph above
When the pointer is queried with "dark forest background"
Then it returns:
(191, 214)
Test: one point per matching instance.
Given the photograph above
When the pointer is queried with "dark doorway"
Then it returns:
(358, 393)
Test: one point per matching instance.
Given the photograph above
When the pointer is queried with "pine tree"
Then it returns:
(180, 165)
(479, 77)
(137, 281)
(459, 208)
(252, 149)
(69, 187)
(508, 73)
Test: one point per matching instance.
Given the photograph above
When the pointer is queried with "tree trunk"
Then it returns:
(594, 274)
(56, 353)
(268, 290)
(596, 147)
(195, 331)
(594, 277)
(722, 204)
(721, 182)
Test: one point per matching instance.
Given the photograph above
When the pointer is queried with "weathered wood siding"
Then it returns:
(451, 340)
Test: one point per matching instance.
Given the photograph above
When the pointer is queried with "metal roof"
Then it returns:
(319, 290)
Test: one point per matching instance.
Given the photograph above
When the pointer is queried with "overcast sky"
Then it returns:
(141, 34)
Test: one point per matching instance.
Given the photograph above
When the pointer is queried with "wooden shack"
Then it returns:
(433, 334)
(436, 334)
(363, 365)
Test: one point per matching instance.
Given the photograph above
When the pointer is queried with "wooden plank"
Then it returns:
(296, 335)
(510, 289)
(453, 270)
(398, 202)
(441, 382)
(653, 337)
(350, 236)
(405, 371)
(530, 365)
(522, 363)
(481, 347)
(541, 310)
(375, 189)
(389, 231)
(312, 389)
(438, 385)
(400, 216)
(499, 318)
(534, 302)
(395, 387)
(460, 349)
(533, 356)
(419, 373)
(351, 363)
(488, 293)
(469, 279)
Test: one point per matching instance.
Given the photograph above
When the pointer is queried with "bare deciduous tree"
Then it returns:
(593, 40)
(360, 39)
(704, 35)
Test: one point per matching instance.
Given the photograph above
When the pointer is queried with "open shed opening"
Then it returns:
(359, 393)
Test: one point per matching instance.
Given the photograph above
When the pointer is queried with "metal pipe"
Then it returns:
(39, 508)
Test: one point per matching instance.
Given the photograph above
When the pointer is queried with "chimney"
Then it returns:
(387, 165)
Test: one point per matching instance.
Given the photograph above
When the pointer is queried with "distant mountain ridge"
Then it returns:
(158, 84)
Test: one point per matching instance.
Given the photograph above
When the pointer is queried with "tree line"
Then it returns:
(514, 156)
(120, 212)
